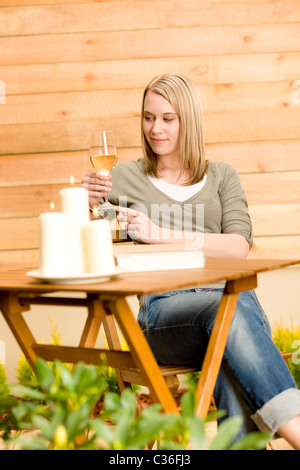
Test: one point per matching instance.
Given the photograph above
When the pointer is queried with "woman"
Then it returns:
(175, 194)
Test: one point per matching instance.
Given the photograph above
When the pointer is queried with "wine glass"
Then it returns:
(103, 156)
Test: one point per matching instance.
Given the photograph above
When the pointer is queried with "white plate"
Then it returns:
(87, 278)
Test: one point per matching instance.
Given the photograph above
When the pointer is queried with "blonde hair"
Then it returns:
(183, 96)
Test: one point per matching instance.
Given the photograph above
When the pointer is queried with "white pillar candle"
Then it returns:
(99, 248)
(53, 230)
(75, 204)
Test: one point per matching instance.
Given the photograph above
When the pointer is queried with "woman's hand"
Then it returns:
(139, 226)
(98, 186)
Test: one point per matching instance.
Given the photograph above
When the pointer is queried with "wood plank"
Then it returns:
(275, 219)
(272, 188)
(45, 2)
(30, 169)
(260, 156)
(287, 247)
(50, 2)
(32, 200)
(238, 97)
(57, 107)
(252, 126)
(53, 19)
(115, 74)
(246, 157)
(59, 2)
(71, 354)
(112, 45)
(19, 233)
(219, 128)
(268, 220)
(70, 135)
(30, 257)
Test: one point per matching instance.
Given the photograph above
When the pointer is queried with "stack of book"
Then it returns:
(157, 257)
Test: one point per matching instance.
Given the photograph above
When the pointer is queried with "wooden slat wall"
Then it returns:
(70, 66)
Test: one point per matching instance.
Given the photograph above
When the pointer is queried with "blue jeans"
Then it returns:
(253, 382)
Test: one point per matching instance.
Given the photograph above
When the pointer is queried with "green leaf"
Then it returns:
(227, 431)
(252, 441)
(197, 432)
(44, 374)
(217, 414)
(27, 392)
(77, 421)
(128, 402)
(27, 444)
(188, 404)
(46, 427)
(123, 427)
(7, 402)
(149, 425)
(103, 431)
(85, 377)
(111, 402)
(24, 411)
(66, 377)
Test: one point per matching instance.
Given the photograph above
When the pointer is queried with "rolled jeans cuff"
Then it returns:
(277, 411)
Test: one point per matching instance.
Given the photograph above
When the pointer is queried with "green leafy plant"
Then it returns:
(130, 430)
(61, 414)
(60, 410)
(190, 428)
(5, 404)
(109, 374)
(26, 375)
(8, 421)
(288, 340)
(3, 380)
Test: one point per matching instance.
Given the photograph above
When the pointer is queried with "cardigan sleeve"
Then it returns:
(235, 213)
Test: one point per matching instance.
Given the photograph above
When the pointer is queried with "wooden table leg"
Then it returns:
(12, 311)
(92, 326)
(97, 316)
(114, 343)
(217, 342)
(142, 354)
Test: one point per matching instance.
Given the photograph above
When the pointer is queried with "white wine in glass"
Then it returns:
(103, 156)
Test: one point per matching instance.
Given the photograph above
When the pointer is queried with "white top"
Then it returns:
(178, 193)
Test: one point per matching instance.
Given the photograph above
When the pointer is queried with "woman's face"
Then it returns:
(161, 125)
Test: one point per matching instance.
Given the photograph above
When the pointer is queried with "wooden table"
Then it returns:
(18, 292)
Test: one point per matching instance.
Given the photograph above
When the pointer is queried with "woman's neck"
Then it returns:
(169, 170)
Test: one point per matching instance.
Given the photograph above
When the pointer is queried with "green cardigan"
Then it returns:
(222, 198)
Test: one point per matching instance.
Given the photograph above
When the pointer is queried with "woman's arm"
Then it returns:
(225, 245)
(214, 245)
